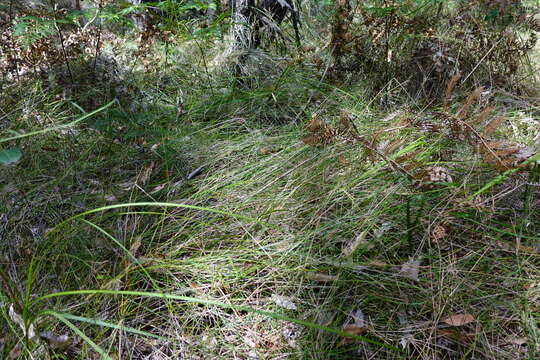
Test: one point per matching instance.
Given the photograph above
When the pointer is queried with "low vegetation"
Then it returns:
(168, 192)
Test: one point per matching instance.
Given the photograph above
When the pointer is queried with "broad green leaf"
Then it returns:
(10, 156)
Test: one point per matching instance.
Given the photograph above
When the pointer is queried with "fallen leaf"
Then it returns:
(350, 246)
(459, 319)
(411, 269)
(196, 287)
(56, 342)
(158, 188)
(284, 302)
(358, 318)
(315, 124)
(354, 329)
(19, 321)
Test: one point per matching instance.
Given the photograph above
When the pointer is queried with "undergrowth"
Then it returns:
(284, 216)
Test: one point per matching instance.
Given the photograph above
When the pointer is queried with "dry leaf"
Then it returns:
(158, 188)
(196, 287)
(16, 318)
(284, 302)
(450, 88)
(473, 97)
(345, 118)
(459, 319)
(56, 342)
(358, 318)
(411, 269)
(354, 329)
(482, 116)
(350, 246)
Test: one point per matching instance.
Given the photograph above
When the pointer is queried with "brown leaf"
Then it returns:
(459, 319)
(355, 329)
(352, 329)
(312, 140)
(15, 353)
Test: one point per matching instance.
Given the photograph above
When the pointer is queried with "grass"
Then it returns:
(252, 261)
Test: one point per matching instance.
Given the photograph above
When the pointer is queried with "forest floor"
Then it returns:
(201, 219)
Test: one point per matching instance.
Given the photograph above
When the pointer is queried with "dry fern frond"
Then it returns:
(482, 116)
(498, 153)
(449, 89)
(315, 124)
(492, 126)
(501, 154)
(345, 119)
(323, 134)
(466, 108)
(393, 146)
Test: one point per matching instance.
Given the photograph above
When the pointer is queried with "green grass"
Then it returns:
(87, 213)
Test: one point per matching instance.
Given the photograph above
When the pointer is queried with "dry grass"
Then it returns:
(383, 230)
